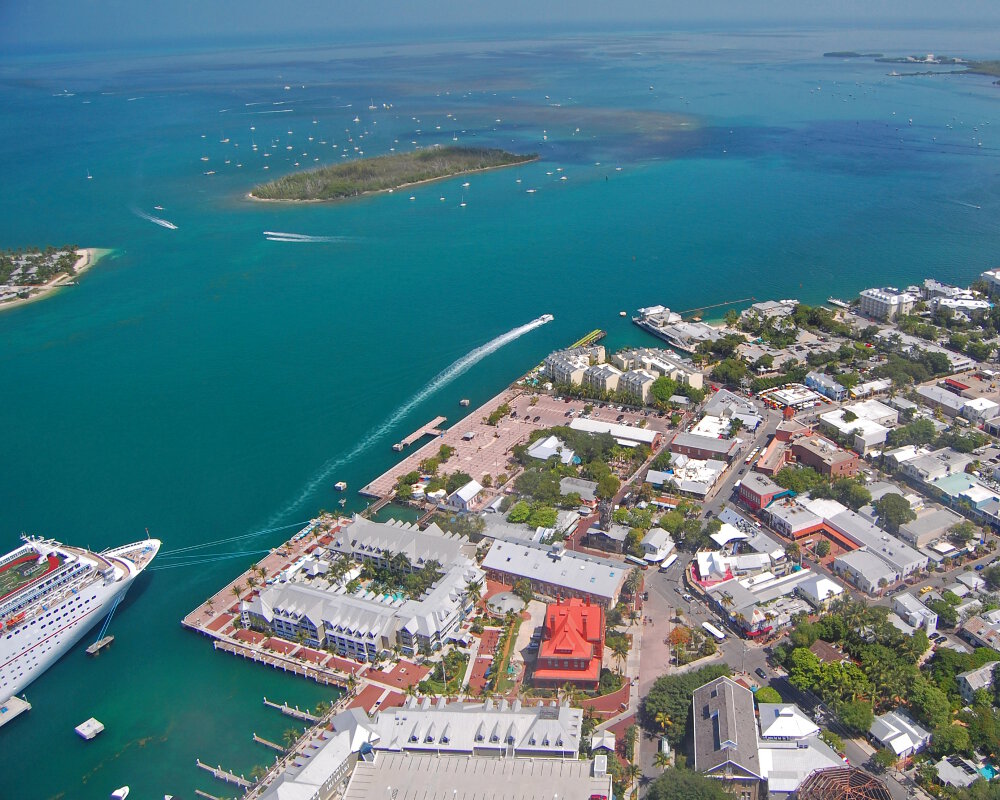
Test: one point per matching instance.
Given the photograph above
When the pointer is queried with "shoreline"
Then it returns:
(88, 257)
(251, 196)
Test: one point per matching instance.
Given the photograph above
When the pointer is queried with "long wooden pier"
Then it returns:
(288, 711)
(224, 775)
(273, 660)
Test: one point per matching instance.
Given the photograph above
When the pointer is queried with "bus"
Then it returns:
(750, 457)
(668, 562)
(708, 626)
(639, 562)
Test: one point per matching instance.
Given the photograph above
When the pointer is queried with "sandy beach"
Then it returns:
(87, 257)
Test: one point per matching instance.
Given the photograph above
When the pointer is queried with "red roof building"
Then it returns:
(572, 645)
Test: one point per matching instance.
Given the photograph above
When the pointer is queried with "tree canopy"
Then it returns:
(683, 784)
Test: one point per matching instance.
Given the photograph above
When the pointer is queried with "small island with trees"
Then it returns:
(385, 173)
(31, 273)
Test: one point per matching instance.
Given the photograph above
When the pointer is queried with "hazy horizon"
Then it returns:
(48, 24)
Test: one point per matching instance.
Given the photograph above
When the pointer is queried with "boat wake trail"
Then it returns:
(278, 236)
(379, 432)
(163, 223)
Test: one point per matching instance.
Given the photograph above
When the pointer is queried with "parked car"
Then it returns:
(980, 567)
(759, 672)
(687, 597)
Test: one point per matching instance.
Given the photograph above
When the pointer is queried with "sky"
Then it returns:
(26, 25)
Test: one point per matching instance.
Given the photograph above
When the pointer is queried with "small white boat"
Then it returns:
(120, 794)
(622, 314)
(340, 486)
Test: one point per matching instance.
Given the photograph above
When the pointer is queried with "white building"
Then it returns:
(602, 377)
(887, 303)
(464, 498)
(914, 613)
(638, 383)
(656, 545)
(898, 732)
(550, 446)
(866, 424)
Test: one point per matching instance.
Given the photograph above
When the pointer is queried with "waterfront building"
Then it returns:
(319, 774)
(364, 625)
(426, 776)
(378, 542)
(661, 363)
(992, 280)
(638, 383)
(824, 456)
(602, 378)
(504, 729)
(887, 303)
(555, 572)
(572, 645)
(569, 366)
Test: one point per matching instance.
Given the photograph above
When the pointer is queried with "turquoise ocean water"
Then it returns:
(205, 382)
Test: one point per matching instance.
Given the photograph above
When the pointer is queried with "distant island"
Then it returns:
(30, 274)
(972, 67)
(385, 173)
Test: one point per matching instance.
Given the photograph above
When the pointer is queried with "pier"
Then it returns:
(285, 665)
(591, 338)
(288, 711)
(99, 645)
(224, 775)
(267, 743)
(206, 795)
(430, 429)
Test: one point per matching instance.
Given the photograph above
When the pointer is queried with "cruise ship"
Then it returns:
(51, 594)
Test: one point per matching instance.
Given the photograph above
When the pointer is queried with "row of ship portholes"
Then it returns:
(34, 656)
(80, 604)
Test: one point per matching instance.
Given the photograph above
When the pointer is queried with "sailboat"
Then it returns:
(89, 176)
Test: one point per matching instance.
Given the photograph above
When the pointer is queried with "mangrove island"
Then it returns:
(385, 173)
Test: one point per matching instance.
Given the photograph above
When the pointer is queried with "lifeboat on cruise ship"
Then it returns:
(16, 620)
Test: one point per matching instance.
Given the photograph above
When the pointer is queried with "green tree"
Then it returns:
(851, 493)
(823, 548)
(522, 588)
(607, 487)
(948, 739)
(765, 694)
(456, 481)
(963, 532)
(729, 371)
(857, 715)
(682, 784)
(519, 512)
(885, 759)
(893, 510)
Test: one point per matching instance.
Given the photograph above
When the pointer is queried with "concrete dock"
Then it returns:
(430, 429)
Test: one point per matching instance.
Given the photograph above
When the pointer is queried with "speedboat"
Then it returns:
(120, 794)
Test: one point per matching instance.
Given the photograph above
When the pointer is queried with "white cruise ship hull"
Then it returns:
(60, 616)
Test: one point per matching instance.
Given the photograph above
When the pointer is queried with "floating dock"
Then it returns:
(99, 645)
(430, 429)
(288, 711)
(224, 775)
(11, 708)
(89, 729)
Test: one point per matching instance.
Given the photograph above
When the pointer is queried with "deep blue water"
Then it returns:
(205, 382)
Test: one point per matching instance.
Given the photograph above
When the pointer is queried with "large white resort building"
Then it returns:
(303, 603)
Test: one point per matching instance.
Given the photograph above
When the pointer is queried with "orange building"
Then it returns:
(572, 645)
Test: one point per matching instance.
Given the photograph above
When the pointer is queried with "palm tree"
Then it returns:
(662, 760)
(290, 737)
(664, 721)
(237, 591)
(251, 583)
(634, 581)
(633, 773)
(474, 591)
(619, 646)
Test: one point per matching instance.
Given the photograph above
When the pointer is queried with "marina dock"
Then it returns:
(288, 711)
(11, 708)
(430, 429)
(268, 743)
(224, 775)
